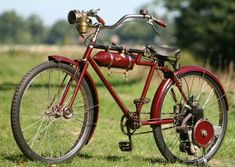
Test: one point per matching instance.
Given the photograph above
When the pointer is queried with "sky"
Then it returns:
(52, 10)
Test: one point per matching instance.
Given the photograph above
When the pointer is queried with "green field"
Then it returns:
(103, 149)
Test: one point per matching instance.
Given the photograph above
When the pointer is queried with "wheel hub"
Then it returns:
(203, 133)
(57, 112)
(67, 113)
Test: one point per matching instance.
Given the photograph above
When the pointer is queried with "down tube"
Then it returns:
(110, 88)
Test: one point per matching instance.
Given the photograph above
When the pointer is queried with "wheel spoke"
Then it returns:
(36, 122)
(37, 132)
(202, 90)
(215, 101)
(209, 98)
(191, 87)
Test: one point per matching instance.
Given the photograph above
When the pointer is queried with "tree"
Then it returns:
(60, 33)
(11, 27)
(16, 30)
(36, 29)
(207, 28)
(137, 32)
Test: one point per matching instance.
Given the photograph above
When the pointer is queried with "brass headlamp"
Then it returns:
(80, 18)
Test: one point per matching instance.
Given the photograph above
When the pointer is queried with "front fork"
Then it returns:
(82, 68)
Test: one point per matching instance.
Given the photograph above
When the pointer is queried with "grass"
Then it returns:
(103, 148)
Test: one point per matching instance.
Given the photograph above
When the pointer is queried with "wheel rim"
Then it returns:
(211, 101)
(49, 135)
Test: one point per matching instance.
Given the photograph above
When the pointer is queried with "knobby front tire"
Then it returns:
(211, 99)
(39, 127)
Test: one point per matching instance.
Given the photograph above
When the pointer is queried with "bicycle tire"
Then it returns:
(166, 137)
(37, 129)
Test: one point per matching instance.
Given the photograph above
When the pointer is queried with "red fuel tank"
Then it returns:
(114, 59)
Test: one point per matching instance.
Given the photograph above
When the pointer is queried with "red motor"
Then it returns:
(115, 60)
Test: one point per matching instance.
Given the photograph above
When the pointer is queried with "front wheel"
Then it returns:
(43, 129)
(200, 139)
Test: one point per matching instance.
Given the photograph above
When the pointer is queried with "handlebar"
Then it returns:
(120, 21)
(82, 19)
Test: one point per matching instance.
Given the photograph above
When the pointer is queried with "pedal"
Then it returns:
(141, 101)
(125, 146)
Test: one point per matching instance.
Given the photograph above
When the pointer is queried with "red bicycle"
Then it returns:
(55, 107)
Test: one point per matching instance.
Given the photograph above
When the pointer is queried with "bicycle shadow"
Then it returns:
(122, 158)
(21, 160)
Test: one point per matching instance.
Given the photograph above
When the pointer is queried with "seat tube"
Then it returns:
(146, 86)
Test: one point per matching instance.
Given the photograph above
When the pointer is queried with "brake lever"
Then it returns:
(93, 12)
(150, 22)
(89, 21)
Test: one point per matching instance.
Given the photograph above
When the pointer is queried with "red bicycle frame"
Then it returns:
(83, 64)
(82, 67)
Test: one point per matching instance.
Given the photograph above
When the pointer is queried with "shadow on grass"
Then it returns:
(15, 158)
(116, 158)
(5, 86)
(153, 160)
(112, 158)
(20, 159)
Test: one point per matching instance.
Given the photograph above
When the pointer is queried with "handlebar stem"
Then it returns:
(93, 39)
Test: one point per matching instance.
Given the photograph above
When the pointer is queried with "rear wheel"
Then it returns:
(205, 129)
(42, 128)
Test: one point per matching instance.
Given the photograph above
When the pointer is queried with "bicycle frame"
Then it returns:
(82, 67)
(156, 106)
(155, 116)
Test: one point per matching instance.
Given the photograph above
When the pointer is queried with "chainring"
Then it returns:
(124, 126)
